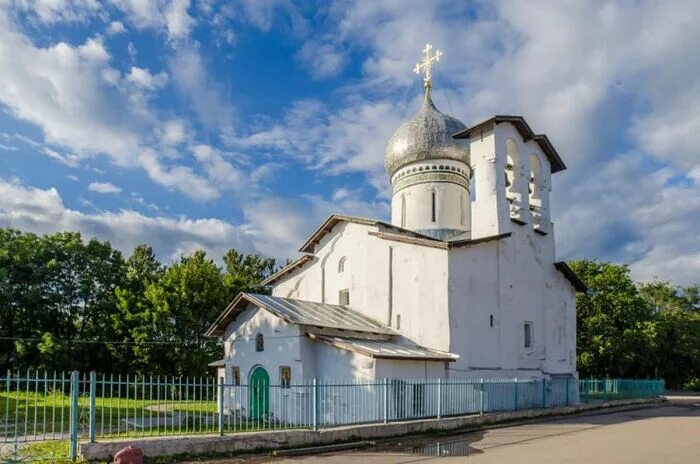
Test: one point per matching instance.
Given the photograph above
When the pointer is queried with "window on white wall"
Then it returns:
(236, 375)
(344, 297)
(341, 264)
(285, 376)
(398, 321)
(527, 326)
(403, 210)
(433, 213)
(259, 342)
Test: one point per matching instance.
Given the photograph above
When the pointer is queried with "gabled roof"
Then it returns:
(571, 276)
(386, 349)
(297, 263)
(525, 132)
(299, 312)
(335, 219)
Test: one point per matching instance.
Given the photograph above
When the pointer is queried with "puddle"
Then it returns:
(456, 445)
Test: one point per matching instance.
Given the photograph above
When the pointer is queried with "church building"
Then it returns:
(462, 283)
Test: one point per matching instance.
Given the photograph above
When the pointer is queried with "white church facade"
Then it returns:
(463, 283)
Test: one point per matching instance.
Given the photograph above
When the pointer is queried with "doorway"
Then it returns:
(259, 393)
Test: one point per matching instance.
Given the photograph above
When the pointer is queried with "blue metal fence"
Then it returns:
(41, 406)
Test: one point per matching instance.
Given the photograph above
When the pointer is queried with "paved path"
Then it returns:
(668, 434)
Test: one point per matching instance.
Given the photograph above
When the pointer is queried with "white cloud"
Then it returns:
(321, 59)
(43, 211)
(86, 107)
(104, 187)
(52, 11)
(173, 132)
(169, 16)
(143, 78)
(206, 97)
(61, 89)
(177, 20)
(115, 27)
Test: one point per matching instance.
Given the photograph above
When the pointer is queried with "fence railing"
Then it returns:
(49, 406)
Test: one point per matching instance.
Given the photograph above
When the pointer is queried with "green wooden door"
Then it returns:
(259, 393)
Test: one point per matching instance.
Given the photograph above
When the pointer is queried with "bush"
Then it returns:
(692, 385)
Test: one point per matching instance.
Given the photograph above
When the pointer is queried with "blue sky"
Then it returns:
(211, 124)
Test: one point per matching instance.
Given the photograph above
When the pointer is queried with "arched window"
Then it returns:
(515, 188)
(259, 342)
(433, 207)
(537, 192)
(403, 210)
(341, 264)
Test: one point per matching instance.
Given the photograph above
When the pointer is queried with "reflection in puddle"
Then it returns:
(443, 446)
(449, 448)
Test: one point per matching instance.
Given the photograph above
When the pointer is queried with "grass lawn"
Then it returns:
(31, 416)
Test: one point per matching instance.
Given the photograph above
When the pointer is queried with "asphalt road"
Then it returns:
(667, 434)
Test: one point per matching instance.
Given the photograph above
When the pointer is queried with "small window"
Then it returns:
(341, 264)
(236, 375)
(403, 210)
(528, 334)
(285, 376)
(398, 321)
(344, 297)
(491, 320)
(432, 207)
(259, 342)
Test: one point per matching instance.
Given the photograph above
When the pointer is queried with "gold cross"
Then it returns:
(427, 64)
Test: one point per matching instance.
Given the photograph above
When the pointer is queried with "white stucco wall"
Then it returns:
(283, 346)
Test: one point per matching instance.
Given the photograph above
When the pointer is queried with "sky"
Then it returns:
(210, 124)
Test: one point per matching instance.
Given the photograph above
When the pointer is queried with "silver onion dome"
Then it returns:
(427, 136)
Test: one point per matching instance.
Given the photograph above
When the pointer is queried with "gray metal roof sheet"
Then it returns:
(318, 314)
(392, 349)
(300, 312)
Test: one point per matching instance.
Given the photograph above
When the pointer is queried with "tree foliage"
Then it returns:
(70, 304)
(630, 330)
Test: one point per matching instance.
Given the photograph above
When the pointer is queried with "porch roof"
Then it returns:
(386, 349)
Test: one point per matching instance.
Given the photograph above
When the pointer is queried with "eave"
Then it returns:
(526, 132)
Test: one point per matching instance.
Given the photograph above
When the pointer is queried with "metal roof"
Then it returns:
(387, 349)
(302, 313)
(526, 133)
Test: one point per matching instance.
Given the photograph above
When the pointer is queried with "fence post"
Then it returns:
(439, 398)
(74, 396)
(221, 406)
(481, 397)
(314, 399)
(386, 400)
(567, 391)
(516, 393)
(93, 412)
(544, 393)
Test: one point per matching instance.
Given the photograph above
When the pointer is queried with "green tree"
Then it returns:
(185, 301)
(56, 299)
(616, 327)
(677, 341)
(133, 322)
(245, 272)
